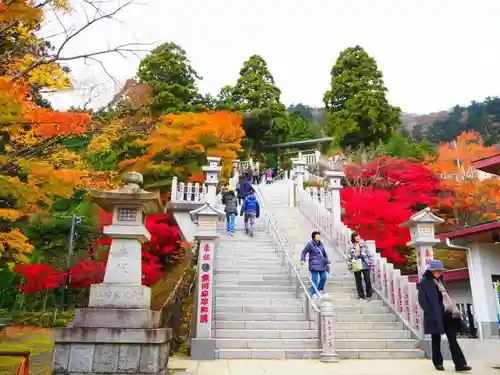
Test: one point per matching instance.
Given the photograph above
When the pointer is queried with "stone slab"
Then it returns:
(203, 349)
(112, 335)
(125, 296)
(111, 359)
(116, 318)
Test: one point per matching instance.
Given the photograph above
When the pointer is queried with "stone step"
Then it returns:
(222, 278)
(315, 353)
(345, 335)
(224, 301)
(266, 334)
(267, 343)
(231, 287)
(259, 316)
(230, 248)
(257, 295)
(258, 309)
(265, 325)
(235, 266)
(304, 324)
(271, 257)
(372, 318)
(237, 272)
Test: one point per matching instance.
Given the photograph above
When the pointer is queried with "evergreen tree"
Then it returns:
(172, 79)
(358, 110)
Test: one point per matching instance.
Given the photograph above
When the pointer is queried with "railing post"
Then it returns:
(328, 353)
(173, 194)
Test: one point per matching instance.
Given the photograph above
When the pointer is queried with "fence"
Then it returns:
(397, 292)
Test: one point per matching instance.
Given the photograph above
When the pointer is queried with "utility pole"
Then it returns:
(75, 220)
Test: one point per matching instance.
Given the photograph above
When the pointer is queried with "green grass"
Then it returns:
(37, 341)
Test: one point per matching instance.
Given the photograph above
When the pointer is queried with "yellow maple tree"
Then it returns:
(180, 143)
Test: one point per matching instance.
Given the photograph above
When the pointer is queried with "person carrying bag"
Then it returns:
(360, 262)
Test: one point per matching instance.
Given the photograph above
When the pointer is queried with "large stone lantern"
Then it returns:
(422, 234)
(118, 333)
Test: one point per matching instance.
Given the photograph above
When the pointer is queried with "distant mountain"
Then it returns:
(410, 120)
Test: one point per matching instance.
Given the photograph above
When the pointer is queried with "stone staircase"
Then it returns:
(257, 314)
(363, 329)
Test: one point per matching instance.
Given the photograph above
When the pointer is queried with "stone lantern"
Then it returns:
(422, 233)
(212, 171)
(299, 170)
(334, 179)
(118, 333)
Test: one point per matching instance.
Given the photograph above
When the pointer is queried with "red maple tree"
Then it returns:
(383, 194)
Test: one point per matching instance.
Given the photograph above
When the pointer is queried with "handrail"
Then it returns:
(329, 238)
(279, 176)
(273, 225)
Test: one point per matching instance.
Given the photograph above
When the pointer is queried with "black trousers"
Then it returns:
(359, 285)
(456, 352)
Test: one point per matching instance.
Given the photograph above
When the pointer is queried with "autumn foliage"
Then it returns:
(165, 248)
(381, 195)
(181, 142)
(472, 196)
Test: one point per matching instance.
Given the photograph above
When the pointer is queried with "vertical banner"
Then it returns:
(205, 285)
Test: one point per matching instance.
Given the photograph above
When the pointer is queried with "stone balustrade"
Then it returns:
(319, 206)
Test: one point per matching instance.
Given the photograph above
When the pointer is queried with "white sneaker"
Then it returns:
(324, 294)
(314, 296)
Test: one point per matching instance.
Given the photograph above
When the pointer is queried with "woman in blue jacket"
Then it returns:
(319, 265)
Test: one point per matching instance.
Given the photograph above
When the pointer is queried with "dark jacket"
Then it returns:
(431, 302)
(230, 201)
(318, 259)
(250, 204)
(243, 188)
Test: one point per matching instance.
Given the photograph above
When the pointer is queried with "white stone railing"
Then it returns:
(188, 192)
(397, 292)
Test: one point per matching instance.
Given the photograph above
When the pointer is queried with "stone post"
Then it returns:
(422, 228)
(328, 353)
(203, 342)
(118, 333)
(334, 186)
(236, 169)
(300, 171)
(212, 171)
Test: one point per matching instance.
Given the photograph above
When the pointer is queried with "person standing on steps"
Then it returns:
(251, 211)
(319, 264)
(361, 261)
(231, 209)
(243, 187)
(441, 315)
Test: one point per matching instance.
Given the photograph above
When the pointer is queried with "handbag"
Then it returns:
(356, 265)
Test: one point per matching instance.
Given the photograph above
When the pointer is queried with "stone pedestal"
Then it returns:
(118, 333)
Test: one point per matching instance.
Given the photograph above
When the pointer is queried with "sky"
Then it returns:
(433, 54)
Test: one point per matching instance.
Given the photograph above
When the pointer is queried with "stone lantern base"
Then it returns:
(112, 341)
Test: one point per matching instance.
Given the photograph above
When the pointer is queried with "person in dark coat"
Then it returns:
(319, 265)
(243, 188)
(440, 316)
(231, 208)
(251, 211)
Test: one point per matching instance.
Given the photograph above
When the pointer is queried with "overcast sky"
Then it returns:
(433, 53)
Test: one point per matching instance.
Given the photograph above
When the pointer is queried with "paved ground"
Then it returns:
(306, 367)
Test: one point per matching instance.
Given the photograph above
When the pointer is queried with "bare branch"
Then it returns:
(123, 50)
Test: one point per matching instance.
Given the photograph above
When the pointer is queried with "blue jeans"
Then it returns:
(230, 219)
(319, 280)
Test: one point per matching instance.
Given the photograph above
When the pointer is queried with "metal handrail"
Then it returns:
(273, 225)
